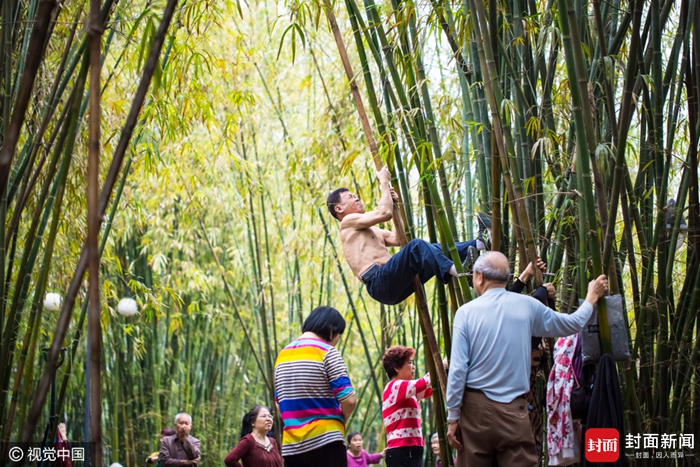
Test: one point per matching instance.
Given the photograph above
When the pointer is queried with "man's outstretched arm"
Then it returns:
(383, 212)
(549, 323)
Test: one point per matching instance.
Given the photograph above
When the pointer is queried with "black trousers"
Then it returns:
(393, 282)
(332, 454)
(410, 456)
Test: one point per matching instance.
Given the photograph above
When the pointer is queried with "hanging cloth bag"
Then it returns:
(590, 338)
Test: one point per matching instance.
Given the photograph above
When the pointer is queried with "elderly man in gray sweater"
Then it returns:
(490, 367)
(180, 448)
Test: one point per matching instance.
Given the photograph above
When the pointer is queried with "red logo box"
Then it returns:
(602, 445)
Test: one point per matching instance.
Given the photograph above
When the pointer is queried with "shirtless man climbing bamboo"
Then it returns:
(389, 279)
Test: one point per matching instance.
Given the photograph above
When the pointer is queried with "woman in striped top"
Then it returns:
(314, 394)
(400, 409)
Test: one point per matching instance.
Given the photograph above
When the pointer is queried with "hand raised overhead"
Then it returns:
(383, 175)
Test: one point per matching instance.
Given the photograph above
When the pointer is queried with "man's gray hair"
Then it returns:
(183, 413)
(485, 266)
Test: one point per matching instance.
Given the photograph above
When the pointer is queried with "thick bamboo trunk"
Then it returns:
(95, 28)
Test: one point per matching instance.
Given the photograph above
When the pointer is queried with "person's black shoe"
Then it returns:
(484, 220)
(483, 241)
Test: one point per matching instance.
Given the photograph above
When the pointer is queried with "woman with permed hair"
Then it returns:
(400, 409)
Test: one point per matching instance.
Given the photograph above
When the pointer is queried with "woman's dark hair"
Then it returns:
(249, 419)
(324, 321)
(333, 200)
(352, 435)
(167, 432)
(396, 357)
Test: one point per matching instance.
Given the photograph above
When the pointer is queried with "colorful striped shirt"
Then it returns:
(310, 382)
(401, 412)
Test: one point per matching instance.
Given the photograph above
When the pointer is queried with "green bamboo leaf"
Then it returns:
(586, 50)
(532, 127)
(295, 29)
(146, 41)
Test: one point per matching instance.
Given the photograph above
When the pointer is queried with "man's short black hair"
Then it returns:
(334, 199)
(324, 321)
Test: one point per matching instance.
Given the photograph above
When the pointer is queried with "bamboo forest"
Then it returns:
(165, 170)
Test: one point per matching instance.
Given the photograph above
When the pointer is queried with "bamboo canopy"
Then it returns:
(179, 152)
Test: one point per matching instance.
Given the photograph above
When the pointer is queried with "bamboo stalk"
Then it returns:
(83, 309)
(574, 66)
(11, 126)
(430, 120)
(31, 12)
(95, 29)
(114, 169)
(29, 255)
(6, 44)
(256, 258)
(398, 228)
(625, 118)
(54, 206)
(587, 119)
(501, 136)
(275, 345)
(35, 53)
(33, 143)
